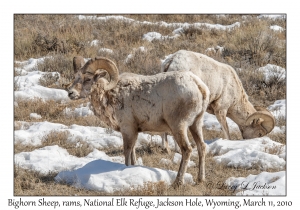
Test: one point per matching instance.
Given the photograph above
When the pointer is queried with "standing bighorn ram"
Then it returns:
(78, 63)
(130, 103)
(227, 95)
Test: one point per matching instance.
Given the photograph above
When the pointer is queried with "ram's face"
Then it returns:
(251, 132)
(258, 124)
(81, 86)
(73, 90)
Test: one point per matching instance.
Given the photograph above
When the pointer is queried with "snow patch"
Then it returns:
(107, 176)
(150, 36)
(135, 50)
(177, 159)
(105, 50)
(81, 111)
(278, 109)
(54, 159)
(277, 28)
(35, 116)
(95, 43)
(272, 16)
(271, 71)
(259, 152)
(29, 87)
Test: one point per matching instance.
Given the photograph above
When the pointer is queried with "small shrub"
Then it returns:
(57, 63)
(281, 121)
(45, 43)
(143, 62)
(78, 148)
(48, 79)
(254, 43)
(275, 149)
(278, 137)
(261, 91)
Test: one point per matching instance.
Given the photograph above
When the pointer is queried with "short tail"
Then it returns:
(166, 63)
(203, 89)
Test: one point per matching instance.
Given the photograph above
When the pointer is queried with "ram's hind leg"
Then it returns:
(196, 131)
(180, 135)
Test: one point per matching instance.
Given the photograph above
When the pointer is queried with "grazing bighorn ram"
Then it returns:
(131, 103)
(227, 95)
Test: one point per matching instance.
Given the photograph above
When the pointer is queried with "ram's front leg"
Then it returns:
(221, 116)
(165, 143)
(129, 138)
(133, 156)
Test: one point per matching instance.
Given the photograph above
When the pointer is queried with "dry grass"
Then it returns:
(77, 148)
(54, 112)
(61, 37)
(47, 109)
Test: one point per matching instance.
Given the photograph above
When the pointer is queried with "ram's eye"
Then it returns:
(87, 80)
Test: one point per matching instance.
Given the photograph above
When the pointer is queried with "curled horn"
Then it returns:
(103, 63)
(263, 117)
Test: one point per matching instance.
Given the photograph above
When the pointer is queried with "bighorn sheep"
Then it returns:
(78, 63)
(227, 95)
(131, 103)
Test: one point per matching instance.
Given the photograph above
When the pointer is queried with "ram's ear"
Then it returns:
(78, 63)
(98, 74)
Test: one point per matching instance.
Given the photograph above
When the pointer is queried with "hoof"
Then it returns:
(201, 179)
(177, 184)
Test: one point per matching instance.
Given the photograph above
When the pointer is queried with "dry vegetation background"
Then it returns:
(248, 47)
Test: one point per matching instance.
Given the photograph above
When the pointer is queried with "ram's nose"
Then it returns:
(73, 94)
(70, 93)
